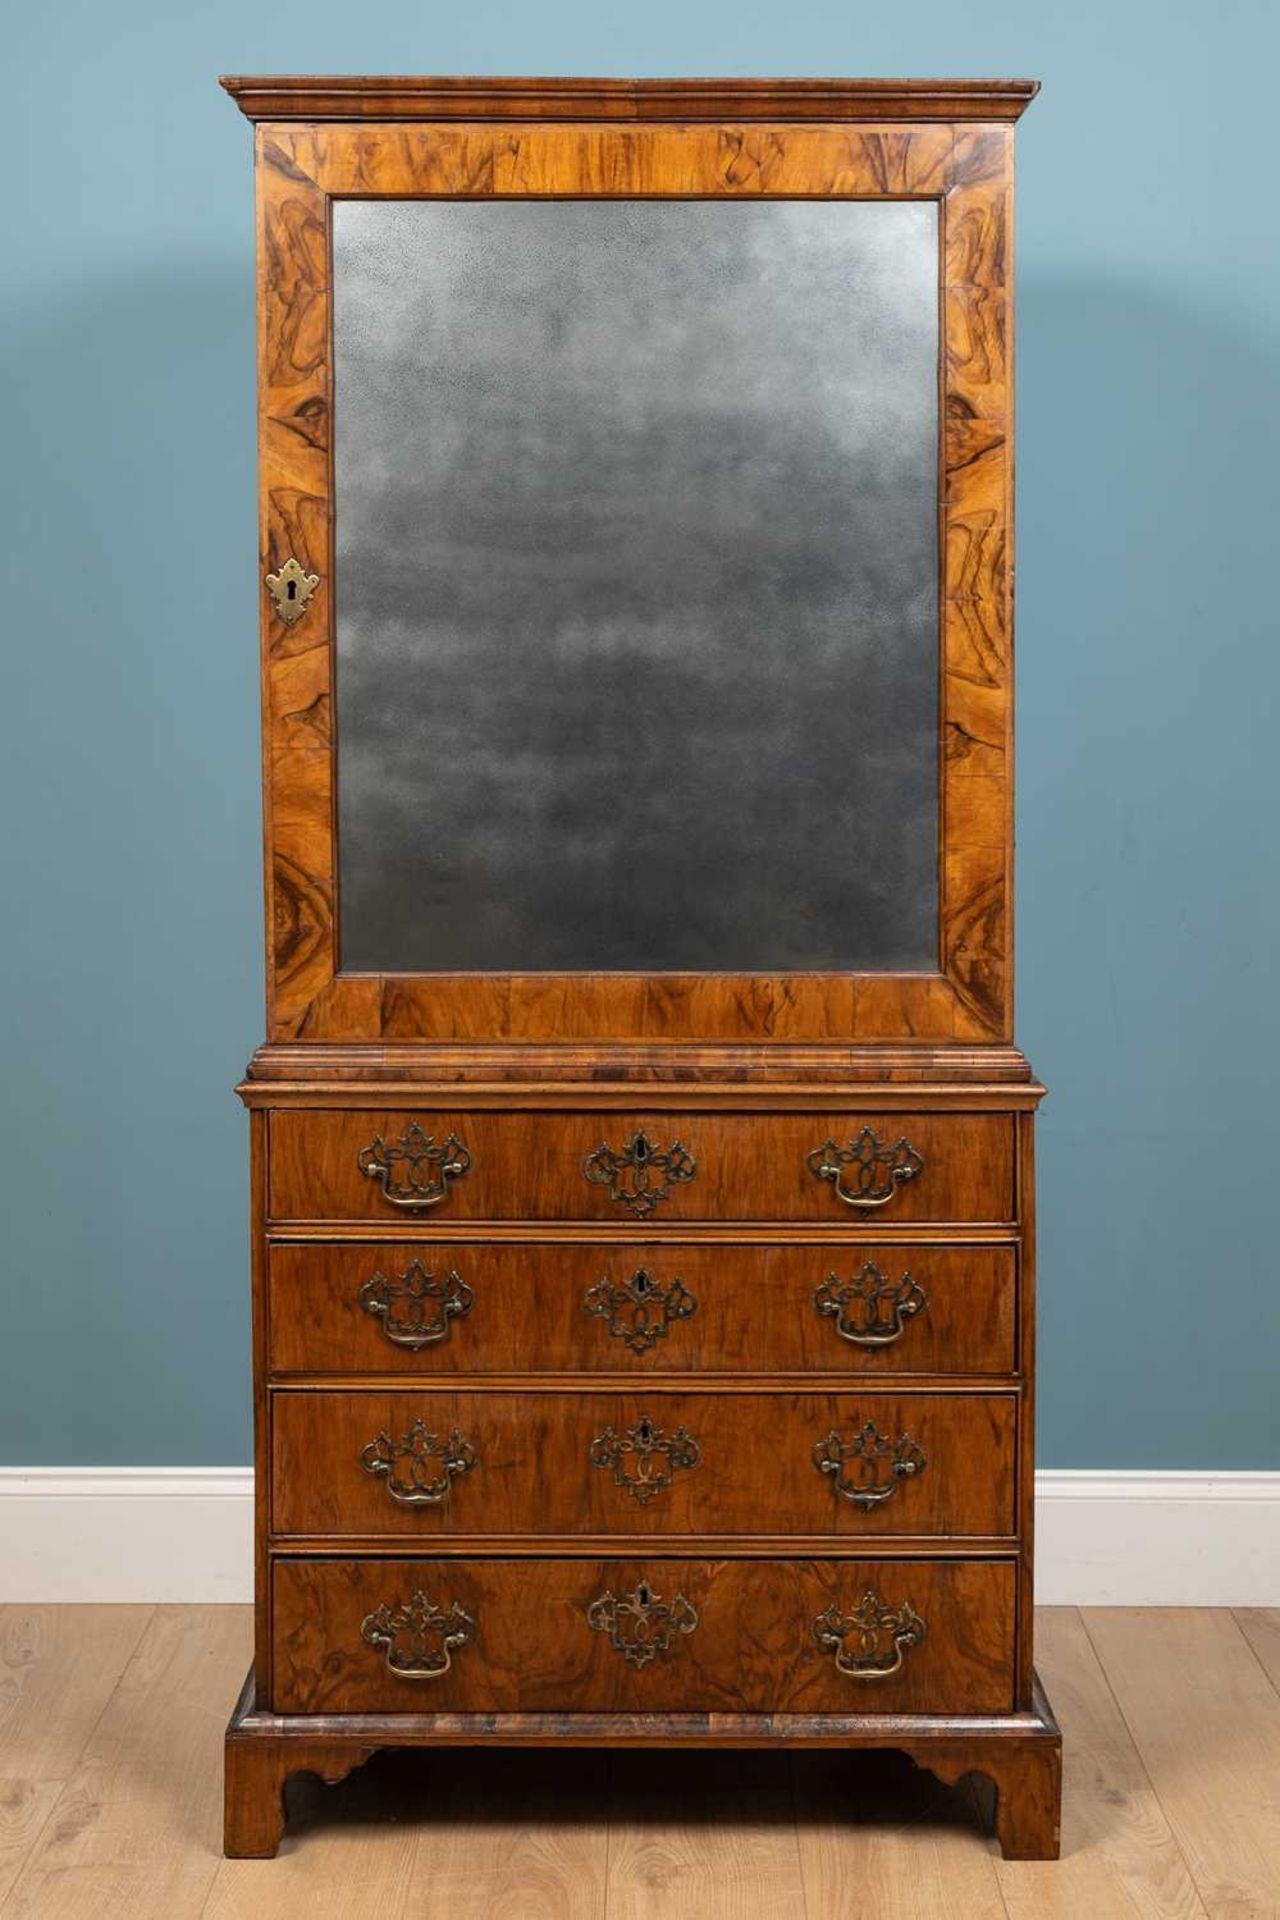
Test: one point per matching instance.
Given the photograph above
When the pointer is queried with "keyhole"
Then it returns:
(292, 590)
(643, 1594)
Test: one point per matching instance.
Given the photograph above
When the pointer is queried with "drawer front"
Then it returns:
(844, 1169)
(417, 1465)
(642, 1635)
(426, 1310)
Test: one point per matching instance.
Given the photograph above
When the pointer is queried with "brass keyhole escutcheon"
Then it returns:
(291, 590)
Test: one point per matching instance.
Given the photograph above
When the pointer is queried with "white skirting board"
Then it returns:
(184, 1534)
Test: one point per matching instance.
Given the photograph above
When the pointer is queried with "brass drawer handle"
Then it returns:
(644, 1460)
(654, 1171)
(415, 1307)
(420, 1468)
(639, 1311)
(419, 1639)
(870, 1309)
(867, 1468)
(639, 1624)
(871, 1642)
(415, 1170)
(879, 1166)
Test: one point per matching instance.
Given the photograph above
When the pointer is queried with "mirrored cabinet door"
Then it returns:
(636, 584)
(637, 580)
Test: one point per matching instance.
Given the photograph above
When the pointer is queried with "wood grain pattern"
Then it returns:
(755, 1309)
(134, 1828)
(400, 1837)
(297, 671)
(1261, 1628)
(58, 1668)
(367, 1075)
(1117, 1845)
(749, 1166)
(1189, 1685)
(355, 1862)
(878, 1838)
(756, 1474)
(254, 1773)
(1026, 1471)
(730, 1849)
(443, 97)
(534, 1650)
(968, 170)
(530, 1841)
(875, 1835)
(261, 1399)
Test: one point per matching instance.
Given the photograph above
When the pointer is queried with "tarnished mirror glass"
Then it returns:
(637, 584)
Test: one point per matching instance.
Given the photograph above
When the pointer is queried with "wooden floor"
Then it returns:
(111, 1724)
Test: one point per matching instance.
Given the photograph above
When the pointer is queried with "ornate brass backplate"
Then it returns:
(654, 1170)
(415, 1170)
(639, 1311)
(867, 1468)
(644, 1460)
(415, 1307)
(879, 1168)
(870, 1309)
(870, 1642)
(419, 1467)
(291, 589)
(418, 1637)
(639, 1624)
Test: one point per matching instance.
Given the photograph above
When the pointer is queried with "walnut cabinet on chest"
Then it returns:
(643, 1196)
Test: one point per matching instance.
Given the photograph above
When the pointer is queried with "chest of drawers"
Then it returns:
(697, 1421)
(642, 1166)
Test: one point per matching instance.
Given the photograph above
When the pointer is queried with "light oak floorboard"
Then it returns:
(881, 1839)
(111, 1721)
(1261, 1628)
(135, 1830)
(1118, 1855)
(58, 1668)
(1206, 1724)
(511, 1836)
(698, 1834)
(348, 1851)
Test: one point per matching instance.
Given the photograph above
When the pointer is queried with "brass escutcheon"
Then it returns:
(640, 1624)
(654, 1170)
(291, 590)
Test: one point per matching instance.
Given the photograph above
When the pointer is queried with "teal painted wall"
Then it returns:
(1149, 397)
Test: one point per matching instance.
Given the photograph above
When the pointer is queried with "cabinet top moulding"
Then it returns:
(409, 97)
(893, 1075)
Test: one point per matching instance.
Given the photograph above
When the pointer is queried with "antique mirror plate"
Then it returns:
(636, 577)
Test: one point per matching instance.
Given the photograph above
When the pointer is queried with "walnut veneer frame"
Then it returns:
(475, 139)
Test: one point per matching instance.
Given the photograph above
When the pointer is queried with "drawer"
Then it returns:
(846, 1168)
(426, 1310)
(417, 1465)
(642, 1635)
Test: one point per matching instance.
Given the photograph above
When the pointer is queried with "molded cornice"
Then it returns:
(406, 97)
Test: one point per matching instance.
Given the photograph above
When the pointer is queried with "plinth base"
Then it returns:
(1020, 1753)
